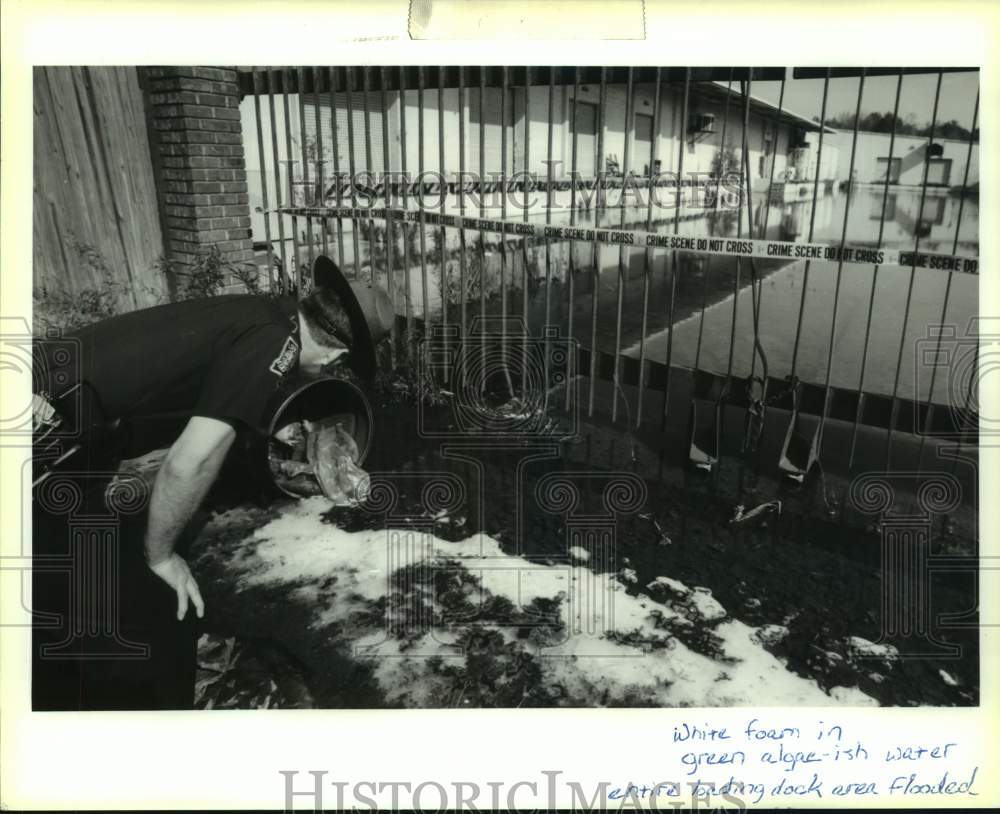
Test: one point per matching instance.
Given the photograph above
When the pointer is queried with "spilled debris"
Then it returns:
(757, 515)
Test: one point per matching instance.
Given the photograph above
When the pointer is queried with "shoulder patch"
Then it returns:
(284, 361)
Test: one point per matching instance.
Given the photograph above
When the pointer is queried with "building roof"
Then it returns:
(848, 131)
(762, 107)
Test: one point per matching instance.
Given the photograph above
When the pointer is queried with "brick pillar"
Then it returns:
(195, 111)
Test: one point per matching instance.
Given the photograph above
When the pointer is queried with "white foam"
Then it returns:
(594, 667)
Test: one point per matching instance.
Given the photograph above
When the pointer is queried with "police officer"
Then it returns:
(214, 364)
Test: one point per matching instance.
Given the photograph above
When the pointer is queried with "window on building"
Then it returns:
(701, 123)
(934, 209)
(585, 115)
(642, 145)
(938, 171)
(883, 164)
(890, 208)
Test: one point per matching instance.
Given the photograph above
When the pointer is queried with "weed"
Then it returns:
(63, 310)
(248, 276)
(205, 277)
(208, 275)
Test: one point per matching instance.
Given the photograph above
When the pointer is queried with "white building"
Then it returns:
(943, 159)
(450, 136)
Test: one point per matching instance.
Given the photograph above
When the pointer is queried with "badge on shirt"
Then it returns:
(284, 361)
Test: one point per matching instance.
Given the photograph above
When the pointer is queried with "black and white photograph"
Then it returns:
(402, 384)
(450, 386)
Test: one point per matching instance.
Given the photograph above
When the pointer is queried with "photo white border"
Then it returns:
(200, 760)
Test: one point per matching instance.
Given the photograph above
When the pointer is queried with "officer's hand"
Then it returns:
(175, 572)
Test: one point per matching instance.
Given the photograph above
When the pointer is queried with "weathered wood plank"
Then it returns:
(94, 185)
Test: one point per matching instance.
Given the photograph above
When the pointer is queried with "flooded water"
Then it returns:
(696, 293)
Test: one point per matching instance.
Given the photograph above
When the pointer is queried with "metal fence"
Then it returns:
(648, 220)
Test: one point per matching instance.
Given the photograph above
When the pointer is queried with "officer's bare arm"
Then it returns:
(187, 473)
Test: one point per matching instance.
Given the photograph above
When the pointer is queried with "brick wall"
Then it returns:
(195, 112)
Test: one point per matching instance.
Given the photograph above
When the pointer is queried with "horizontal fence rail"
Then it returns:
(681, 236)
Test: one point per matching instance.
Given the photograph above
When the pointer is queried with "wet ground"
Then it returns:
(806, 581)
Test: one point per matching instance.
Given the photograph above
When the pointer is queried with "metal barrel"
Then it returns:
(317, 399)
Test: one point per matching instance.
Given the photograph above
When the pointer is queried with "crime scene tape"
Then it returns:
(724, 246)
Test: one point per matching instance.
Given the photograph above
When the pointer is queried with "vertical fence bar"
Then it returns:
(424, 291)
(678, 200)
(840, 265)
(285, 87)
(504, 89)
(550, 183)
(443, 234)
(272, 283)
(571, 352)
(620, 295)
(352, 169)
(894, 411)
(812, 224)
(390, 242)
(277, 183)
(715, 215)
(462, 259)
(928, 421)
(320, 161)
(482, 214)
(596, 252)
(369, 167)
(336, 165)
(648, 254)
(524, 242)
(759, 296)
(755, 410)
(954, 249)
(404, 224)
(303, 136)
(745, 89)
(871, 296)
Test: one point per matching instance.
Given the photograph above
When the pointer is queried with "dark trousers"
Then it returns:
(105, 634)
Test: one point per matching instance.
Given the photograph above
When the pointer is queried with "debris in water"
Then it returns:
(769, 635)
(948, 678)
(704, 606)
(695, 604)
(664, 537)
(244, 674)
(668, 585)
(628, 575)
(866, 649)
(758, 514)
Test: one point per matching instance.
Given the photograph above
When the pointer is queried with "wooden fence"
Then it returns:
(96, 218)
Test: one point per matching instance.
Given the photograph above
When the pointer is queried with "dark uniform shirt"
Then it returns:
(219, 357)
